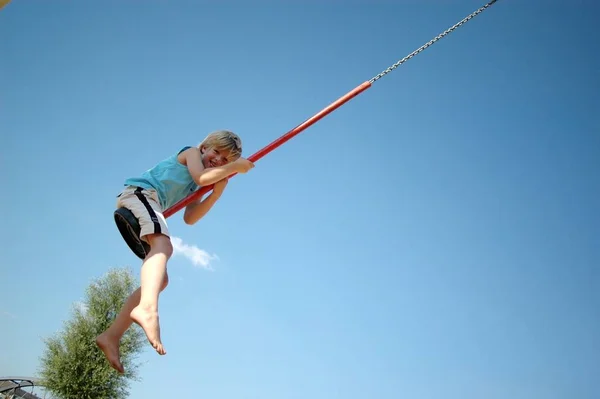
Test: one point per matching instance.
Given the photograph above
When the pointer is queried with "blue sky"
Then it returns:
(436, 237)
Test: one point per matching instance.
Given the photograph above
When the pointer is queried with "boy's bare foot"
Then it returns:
(110, 347)
(148, 320)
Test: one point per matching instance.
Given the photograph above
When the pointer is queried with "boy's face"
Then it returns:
(212, 157)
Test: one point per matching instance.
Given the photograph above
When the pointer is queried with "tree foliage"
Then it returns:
(72, 366)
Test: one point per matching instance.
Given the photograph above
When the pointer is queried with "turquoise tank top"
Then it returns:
(171, 180)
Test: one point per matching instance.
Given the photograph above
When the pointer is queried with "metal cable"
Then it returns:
(429, 43)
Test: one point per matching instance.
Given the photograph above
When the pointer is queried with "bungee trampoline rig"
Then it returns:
(129, 226)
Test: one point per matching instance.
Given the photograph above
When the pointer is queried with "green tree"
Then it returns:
(72, 366)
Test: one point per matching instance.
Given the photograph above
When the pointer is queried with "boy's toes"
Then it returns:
(160, 349)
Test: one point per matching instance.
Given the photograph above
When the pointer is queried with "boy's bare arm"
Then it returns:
(206, 177)
(197, 209)
(202, 176)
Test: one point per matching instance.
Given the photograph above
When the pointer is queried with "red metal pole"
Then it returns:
(273, 145)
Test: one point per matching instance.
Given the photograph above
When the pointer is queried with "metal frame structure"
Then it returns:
(13, 387)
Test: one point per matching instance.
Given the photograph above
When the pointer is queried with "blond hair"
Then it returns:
(224, 140)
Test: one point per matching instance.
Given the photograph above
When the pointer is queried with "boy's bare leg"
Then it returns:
(108, 341)
(153, 274)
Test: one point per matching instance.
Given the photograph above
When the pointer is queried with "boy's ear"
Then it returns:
(202, 149)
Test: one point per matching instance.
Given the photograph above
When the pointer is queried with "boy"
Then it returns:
(146, 196)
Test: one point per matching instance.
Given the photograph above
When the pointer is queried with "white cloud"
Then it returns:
(198, 257)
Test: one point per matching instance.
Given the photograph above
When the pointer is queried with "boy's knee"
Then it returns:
(165, 282)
